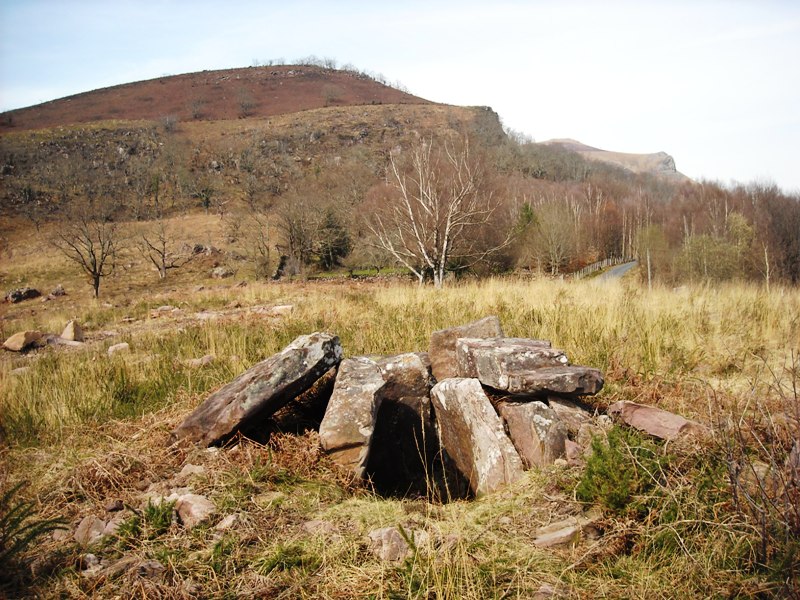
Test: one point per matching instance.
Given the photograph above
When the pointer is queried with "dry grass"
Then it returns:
(86, 429)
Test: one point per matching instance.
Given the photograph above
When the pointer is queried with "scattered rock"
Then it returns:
(114, 506)
(573, 452)
(23, 340)
(261, 390)
(89, 530)
(536, 432)
(58, 291)
(655, 421)
(389, 544)
(222, 272)
(150, 569)
(196, 363)
(72, 332)
(20, 371)
(227, 522)
(346, 430)
(113, 525)
(496, 362)
(193, 509)
(190, 470)
(561, 533)
(166, 309)
(21, 294)
(320, 527)
(472, 434)
(117, 348)
(442, 350)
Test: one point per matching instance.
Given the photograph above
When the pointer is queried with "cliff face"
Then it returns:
(657, 163)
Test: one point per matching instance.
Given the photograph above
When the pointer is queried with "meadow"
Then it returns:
(717, 518)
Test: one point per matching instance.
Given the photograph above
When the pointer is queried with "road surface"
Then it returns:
(618, 271)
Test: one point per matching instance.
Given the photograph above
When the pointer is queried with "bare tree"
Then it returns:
(93, 245)
(435, 212)
(157, 246)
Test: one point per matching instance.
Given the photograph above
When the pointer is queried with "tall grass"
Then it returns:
(673, 340)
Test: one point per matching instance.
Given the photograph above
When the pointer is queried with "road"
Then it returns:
(618, 271)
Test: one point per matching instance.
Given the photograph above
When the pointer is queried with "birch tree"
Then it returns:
(437, 211)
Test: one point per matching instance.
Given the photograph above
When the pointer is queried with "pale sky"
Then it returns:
(714, 83)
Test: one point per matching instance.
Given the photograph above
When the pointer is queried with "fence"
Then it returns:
(601, 264)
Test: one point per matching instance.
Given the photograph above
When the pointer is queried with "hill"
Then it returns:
(212, 95)
(656, 163)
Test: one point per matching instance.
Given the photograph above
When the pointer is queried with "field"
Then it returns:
(713, 519)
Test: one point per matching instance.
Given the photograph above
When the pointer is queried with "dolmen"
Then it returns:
(476, 410)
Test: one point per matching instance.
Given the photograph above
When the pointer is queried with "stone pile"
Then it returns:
(472, 413)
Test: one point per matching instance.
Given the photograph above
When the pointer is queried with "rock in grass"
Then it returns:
(72, 332)
(389, 544)
(257, 393)
(23, 340)
(21, 294)
(473, 436)
(117, 348)
(193, 509)
(349, 422)
(536, 431)
(498, 362)
(443, 344)
(89, 530)
(654, 421)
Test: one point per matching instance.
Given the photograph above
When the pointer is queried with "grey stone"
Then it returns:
(536, 431)
(261, 390)
(389, 544)
(222, 272)
(569, 381)
(349, 422)
(89, 530)
(442, 349)
(117, 348)
(21, 294)
(472, 434)
(495, 360)
(193, 509)
(572, 413)
(655, 421)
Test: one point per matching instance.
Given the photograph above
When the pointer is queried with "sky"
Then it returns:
(716, 84)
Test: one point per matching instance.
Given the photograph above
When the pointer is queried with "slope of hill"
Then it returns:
(212, 95)
(657, 163)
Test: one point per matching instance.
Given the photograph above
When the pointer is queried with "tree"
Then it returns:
(156, 246)
(93, 245)
(435, 210)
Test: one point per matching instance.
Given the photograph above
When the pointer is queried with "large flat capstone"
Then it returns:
(472, 434)
(349, 422)
(497, 362)
(443, 344)
(261, 390)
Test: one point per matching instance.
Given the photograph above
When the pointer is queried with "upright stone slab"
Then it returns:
(73, 332)
(349, 422)
(262, 389)
(443, 344)
(472, 434)
(566, 381)
(497, 361)
(405, 444)
(536, 431)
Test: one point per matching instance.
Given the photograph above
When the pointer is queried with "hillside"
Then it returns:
(212, 95)
(657, 163)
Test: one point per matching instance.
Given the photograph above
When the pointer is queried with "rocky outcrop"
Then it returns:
(442, 350)
(262, 389)
(567, 381)
(349, 422)
(472, 434)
